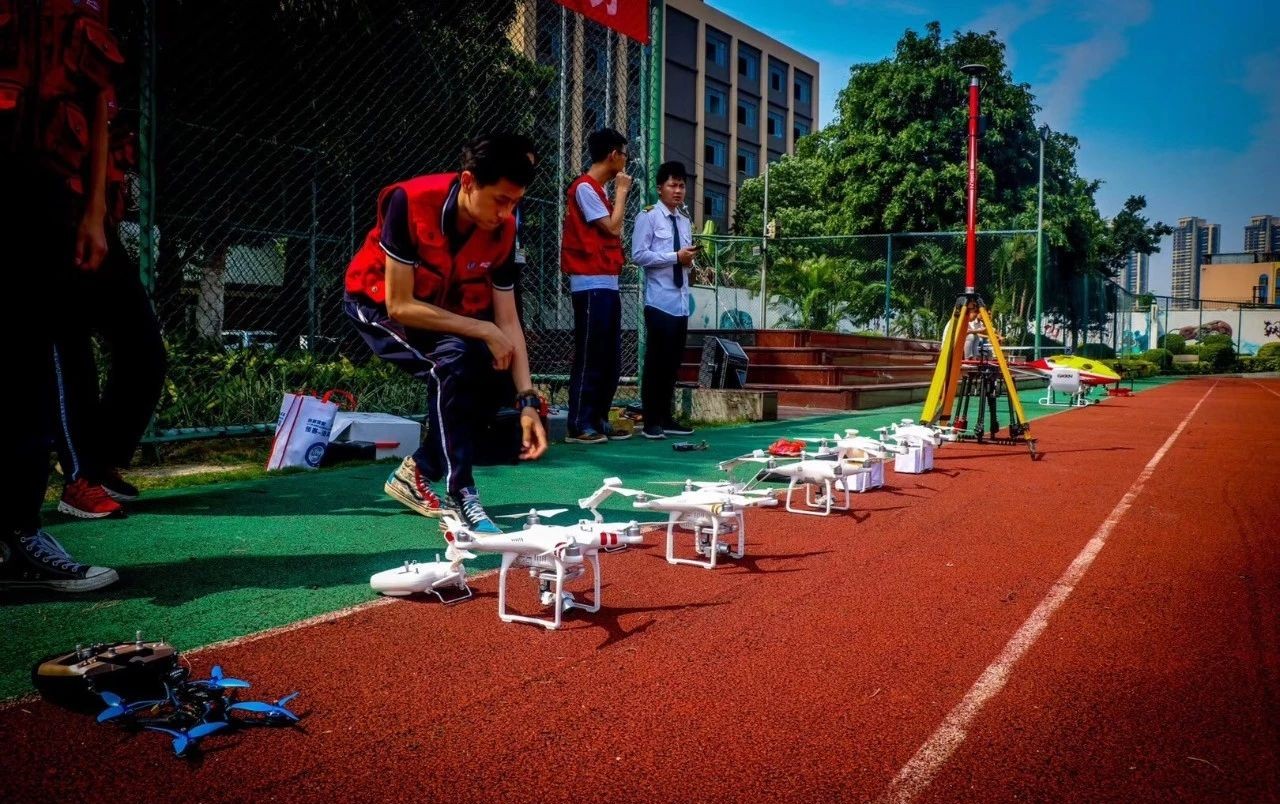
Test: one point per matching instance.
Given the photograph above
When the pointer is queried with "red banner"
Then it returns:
(627, 17)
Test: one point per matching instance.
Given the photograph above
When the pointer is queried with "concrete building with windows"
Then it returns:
(1262, 235)
(1193, 238)
(1134, 278)
(1231, 280)
(734, 99)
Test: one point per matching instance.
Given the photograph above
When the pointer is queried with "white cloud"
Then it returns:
(1079, 65)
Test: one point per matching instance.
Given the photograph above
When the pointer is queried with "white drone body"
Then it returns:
(916, 434)
(709, 509)
(553, 555)
(811, 474)
(431, 577)
(852, 447)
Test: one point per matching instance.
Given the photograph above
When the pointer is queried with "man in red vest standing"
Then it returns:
(432, 291)
(56, 63)
(591, 254)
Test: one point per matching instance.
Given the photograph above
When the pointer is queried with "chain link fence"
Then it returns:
(268, 130)
(901, 284)
(906, 284)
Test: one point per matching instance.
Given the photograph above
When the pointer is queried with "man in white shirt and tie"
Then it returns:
(662, 244)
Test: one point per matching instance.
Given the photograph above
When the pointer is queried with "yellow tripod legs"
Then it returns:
(945, 386)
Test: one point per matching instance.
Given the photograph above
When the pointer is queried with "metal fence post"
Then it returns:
(146, 150)
(888, 281)
(311, 267)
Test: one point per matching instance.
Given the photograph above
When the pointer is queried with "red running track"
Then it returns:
(850, 658)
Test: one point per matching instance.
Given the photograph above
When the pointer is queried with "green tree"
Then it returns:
(1130, 232)
(824, 291)
(894, 160)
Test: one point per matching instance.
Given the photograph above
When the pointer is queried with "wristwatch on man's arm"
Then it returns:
(529, 399)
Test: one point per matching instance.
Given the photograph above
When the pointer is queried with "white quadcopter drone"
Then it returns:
(709, 509)
(813, 474)
(553, 555)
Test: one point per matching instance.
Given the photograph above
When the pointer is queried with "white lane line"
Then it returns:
(1263, 387)
(919, 772)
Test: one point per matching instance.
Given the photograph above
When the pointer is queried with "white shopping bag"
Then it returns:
(302, 431)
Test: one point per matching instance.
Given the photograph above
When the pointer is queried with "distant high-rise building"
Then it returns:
(1192, 239)
(1262, 235)
(1134, 277)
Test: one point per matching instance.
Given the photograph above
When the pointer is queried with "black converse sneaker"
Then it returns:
(35, 560)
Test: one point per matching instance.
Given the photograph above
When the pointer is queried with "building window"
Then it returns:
(717, 102)
(713, 152)
(801, 129)
(749, 65)
(748, 113)
(804, 88)
(1262, 288)
(777, 78)
(717, 50)
(748, 163)
(714, 203)
(777, 125)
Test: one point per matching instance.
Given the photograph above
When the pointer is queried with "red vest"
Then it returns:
(584, 249)
(55, 56)
(459, 282)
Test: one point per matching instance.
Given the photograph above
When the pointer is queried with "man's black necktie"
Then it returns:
(677, 274)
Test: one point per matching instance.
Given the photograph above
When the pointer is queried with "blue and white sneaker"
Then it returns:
(472, 512)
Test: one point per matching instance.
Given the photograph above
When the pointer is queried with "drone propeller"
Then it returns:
(115, 707)
(216, 679)
(455, 555)
(534, 513)
(697, 484)
(182, 740)
(276, 711)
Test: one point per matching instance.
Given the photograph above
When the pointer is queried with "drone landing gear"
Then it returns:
(464, 593)
(551, 574)
(822, 505)
(707, 533)
(952, 388)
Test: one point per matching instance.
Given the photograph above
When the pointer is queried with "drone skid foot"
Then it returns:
(707, 538)
(464, 593)
(562, 601)
(821, 506)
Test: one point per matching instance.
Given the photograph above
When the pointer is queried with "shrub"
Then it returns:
(1161, 358)
(1133, 369)
(1268, 357)
(1175, 343)
(1216, 338)
(209, 387)
(1221, 356)
(1096, 351)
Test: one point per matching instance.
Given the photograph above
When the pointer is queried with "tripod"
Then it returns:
(952, 387)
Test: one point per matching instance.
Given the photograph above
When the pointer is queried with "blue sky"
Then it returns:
(1178, 101)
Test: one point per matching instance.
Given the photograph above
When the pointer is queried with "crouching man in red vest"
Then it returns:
(432, 291)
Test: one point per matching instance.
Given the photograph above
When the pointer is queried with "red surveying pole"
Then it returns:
(975, 72)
